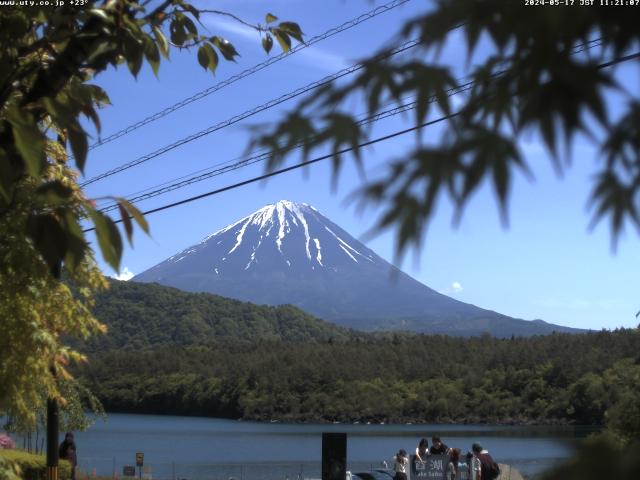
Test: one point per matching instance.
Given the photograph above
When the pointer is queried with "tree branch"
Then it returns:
(257, 28)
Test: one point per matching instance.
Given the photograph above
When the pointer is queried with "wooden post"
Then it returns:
(53, 415)
(52, 439)
(334, 456)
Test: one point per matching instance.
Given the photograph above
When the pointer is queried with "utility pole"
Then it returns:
(53, 414)
(52, 439)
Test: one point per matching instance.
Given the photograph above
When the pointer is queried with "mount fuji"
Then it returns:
(289, 253)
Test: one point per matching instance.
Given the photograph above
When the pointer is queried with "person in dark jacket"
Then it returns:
(69, 452)
(437, 447)
(484, 466)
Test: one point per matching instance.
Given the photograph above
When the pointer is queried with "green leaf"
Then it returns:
(152, 54)
(135, 213)
(126, 221)
(7, 177)
(203, 57)
(79, 145)
(177, 32)
(191, 27)
(283, 39)
(60, 110)
(163, 43)
(207, 57)
(135, 63)
(54, 192)
(99, 13)
(48, 237)
(292, 29)
(29, 140)
(267, 43)
(101, 53)
(77, 245)
(108, 238)
(270, 18)
(226, 48)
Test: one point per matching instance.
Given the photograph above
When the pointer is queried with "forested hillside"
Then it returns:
(142, 316)
(558, 378)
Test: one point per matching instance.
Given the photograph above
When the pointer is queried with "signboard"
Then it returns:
(139, 459)
(129, 471)
(434, 467)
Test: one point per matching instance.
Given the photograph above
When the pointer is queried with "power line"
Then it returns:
(293, 167)
(230, 166)
(410, 44)
(242, 116)
(226, 163)
(615, 61)
(243, 159)
(249, 71)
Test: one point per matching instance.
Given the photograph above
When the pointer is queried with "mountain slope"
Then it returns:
(141, 316)
(288, 253)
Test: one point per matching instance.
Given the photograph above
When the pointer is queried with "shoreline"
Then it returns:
(286, 420)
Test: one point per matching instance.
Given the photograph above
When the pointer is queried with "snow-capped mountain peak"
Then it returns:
(300, 234)
(289, 252)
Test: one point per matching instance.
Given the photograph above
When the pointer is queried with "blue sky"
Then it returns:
(546, 264)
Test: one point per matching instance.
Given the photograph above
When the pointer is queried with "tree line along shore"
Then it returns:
(586, 379)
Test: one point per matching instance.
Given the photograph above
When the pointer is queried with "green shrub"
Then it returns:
(34, 467)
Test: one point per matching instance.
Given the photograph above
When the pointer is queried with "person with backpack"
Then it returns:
(483, 465)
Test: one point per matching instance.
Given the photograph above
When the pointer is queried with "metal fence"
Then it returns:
(109, 467)
(92, 467)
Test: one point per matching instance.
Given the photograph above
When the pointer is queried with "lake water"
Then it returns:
(205, 448)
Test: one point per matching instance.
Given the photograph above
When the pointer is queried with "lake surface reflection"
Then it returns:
(205, 448)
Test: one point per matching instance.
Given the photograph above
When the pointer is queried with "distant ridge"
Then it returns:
(143, 316)
(289, 253)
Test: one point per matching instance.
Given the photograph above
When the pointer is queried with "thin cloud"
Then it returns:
(232, 27)
(311, 56)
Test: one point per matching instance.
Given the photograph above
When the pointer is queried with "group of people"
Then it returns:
(478, 463)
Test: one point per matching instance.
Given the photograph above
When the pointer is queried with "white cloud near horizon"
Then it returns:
(455, 287)
(124, 275)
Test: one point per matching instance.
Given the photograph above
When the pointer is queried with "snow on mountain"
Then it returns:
(299, 234)
(290, 253)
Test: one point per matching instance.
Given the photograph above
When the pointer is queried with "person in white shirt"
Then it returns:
(401, 463)
(422, 450)
(476, 464)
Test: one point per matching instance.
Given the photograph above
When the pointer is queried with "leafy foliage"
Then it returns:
(144, 316)
(602, 457)
(534, 79)
(551, 379)
(36, 309)
(29, 466)
(48, 57)
(76, 401)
